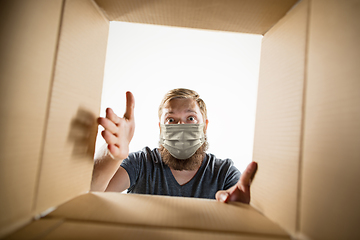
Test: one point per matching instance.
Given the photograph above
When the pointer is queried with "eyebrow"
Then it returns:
(189, 110)
(192, 111)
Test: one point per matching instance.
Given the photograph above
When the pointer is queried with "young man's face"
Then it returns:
(181, 111)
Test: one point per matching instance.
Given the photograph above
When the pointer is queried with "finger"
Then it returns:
(222, 196)
(247, 176)
(130, 105)
(108, 125)
(113, 150)
(109, 137)
(112, 116)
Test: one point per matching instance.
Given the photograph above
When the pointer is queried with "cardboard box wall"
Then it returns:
(307, 127)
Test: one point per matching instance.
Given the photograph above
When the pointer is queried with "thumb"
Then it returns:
(247, 176)
(222, 196)
(130, 105)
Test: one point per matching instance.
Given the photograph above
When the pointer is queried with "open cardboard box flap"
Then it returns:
(307, 133)
(169, 212)
(186, 215)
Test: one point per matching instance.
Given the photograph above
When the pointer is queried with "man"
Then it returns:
(180, 166)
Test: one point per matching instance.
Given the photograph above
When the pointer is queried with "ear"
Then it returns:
(159, 127)
(206, 124)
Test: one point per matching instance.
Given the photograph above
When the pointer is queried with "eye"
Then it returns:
(170, 120)
(191, 118)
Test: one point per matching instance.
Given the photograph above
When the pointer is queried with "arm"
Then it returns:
(240, 192)
(108, 175)
(117, 133)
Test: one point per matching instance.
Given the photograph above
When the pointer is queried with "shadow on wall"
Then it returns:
(83, 131)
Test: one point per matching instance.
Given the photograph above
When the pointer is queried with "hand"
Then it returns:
(240, 192)
(118, 132)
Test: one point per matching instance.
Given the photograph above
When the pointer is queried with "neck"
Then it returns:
(183, 176)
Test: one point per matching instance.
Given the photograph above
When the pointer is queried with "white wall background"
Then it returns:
(222, 67)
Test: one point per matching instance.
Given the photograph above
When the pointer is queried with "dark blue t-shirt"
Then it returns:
(149, 175)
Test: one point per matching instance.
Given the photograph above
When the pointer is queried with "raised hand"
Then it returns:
(118, 131)
(240, 192)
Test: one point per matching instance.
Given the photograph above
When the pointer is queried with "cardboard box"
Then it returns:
(307, 133)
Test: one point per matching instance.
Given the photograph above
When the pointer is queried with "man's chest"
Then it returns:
(183, 177)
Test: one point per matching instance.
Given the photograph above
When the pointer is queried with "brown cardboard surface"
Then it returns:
(75, 103)
(89, 230)
(54, 145)
(36, 229)
(168, 212)
(61, 229)
(278, 129)
(227, 15)
(330, 197)
(28, 39)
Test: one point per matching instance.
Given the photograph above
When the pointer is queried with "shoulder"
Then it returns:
(216, 162)
(146, 154)
(220, 166)
(223, 170)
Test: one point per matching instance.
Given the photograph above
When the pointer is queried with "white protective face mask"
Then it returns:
(182, 140)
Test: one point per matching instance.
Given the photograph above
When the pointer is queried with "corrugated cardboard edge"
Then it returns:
(298, 234)
(101, 11)
(36, 215)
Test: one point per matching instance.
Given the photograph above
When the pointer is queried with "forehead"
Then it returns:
(180, 104)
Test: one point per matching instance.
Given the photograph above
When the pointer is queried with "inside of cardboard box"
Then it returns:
(74, 66)
(52, 61)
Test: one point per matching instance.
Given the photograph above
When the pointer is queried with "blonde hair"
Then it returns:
(183, 93)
